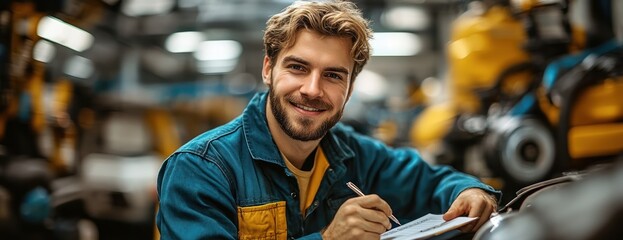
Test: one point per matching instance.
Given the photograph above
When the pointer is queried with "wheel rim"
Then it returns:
(528, 155)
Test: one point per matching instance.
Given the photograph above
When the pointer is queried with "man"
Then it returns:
(280, 169)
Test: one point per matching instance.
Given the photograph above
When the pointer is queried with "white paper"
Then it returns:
(425, 227)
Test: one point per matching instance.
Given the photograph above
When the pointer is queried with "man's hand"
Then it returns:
(472, 202)
(360, 218)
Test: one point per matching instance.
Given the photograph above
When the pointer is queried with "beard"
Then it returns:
(306, 132)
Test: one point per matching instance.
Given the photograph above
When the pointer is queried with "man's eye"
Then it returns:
(334, 75)
(296, 67)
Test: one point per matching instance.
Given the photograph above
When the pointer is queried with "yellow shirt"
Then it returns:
(309, 181)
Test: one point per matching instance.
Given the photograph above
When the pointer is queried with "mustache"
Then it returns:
(314, 103)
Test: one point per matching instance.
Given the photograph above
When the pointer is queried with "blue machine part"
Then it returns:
(524, 105)
(25, 101)
(36, 206)
(559, 66)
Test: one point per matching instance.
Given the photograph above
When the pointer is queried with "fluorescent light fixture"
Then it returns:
(218, 50)
(183, 42)
(79, 67)
(406, 18)
(43, 51)
(136, 8)
(64, 34)
(395, 44)
(370, 86)
(216, 66)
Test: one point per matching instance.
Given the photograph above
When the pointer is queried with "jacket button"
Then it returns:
(293, 195)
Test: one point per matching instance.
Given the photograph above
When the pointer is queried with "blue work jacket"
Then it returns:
(232, 183)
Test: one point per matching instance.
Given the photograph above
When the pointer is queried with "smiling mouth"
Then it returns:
(307, 108)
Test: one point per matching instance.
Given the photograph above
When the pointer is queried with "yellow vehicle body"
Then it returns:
(595, 127)
(432, 125)
(481, 47)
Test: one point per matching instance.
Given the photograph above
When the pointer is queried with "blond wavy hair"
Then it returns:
(331, 18)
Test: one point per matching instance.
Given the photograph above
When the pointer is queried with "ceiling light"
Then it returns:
(406, 18)
(79, 67)
(216, 66)
(43, 51)
(395, 44)
(218, 50)
(370, 86)
(136, 8)
(183, 42)
(64, 34)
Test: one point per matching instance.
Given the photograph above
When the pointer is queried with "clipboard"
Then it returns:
(426, 227)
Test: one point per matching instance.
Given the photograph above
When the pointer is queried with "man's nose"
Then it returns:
(312, 86)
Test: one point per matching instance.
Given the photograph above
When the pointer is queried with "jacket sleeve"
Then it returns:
(195, 200)
(409, 184)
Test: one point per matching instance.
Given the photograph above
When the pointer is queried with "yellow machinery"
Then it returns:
(24, 104)
(478, 39)
(594, 127)
(26, 174)
(524, 95)
(493, 39)
(584, 103)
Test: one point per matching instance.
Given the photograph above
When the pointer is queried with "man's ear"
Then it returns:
(266, 71)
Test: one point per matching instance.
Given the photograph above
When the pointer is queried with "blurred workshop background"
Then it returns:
(94, 94)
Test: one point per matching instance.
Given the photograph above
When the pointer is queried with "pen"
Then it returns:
(356, 190)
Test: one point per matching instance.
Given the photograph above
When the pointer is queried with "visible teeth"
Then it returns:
(308, 108)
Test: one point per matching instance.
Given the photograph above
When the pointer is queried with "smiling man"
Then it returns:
(280, 169)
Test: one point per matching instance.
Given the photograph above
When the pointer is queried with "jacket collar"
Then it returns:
(336, 148)
(259, 141)
(262, 147)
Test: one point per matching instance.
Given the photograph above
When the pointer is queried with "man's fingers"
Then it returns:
(373, 201)
(360, 218)
(467, 228)
(482, 211)
(367, 208)
(476, 210)
(483, 218)
(375, 216)
(359, 233)
(369, 235)
(473, 203)
(373, 227)
(452, 213)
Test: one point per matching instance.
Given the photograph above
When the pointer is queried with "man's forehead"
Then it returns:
(302, 48)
